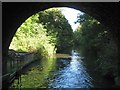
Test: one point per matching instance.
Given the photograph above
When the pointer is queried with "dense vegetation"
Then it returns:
(58, 27)
(97, 45)
(43, 33)
(32, 37)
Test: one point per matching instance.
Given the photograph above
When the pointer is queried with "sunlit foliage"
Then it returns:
(57, 26)
(44, 33)
(32, 37)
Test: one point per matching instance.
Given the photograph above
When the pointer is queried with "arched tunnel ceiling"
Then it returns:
(13, 14)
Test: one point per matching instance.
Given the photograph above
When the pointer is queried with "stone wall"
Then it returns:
(17, 60)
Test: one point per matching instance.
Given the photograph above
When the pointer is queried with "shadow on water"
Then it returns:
(62, 71)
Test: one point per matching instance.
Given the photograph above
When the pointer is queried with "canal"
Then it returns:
(62, 71)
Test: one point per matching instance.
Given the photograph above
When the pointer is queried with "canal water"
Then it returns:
(64, 71)
(73, 75)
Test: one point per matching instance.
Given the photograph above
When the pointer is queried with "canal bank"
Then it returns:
(16, 64)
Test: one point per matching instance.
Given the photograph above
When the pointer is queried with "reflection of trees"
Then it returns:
(37, 77)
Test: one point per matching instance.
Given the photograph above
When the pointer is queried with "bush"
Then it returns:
(32, 37)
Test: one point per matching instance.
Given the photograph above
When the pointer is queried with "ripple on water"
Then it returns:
(74, 75)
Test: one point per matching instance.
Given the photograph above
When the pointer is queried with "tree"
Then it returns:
(57, 26)
(32, 37)
(97, 44)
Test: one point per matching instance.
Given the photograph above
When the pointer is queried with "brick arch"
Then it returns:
(14, 14)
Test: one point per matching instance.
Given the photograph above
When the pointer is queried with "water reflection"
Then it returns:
(37, 76)
(73, 75)
(68, 72)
